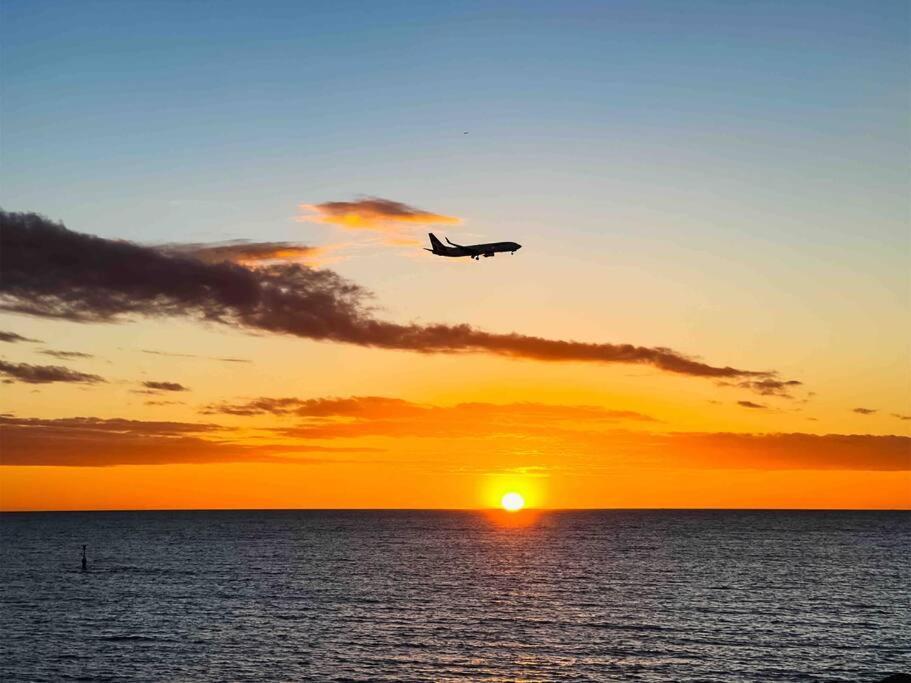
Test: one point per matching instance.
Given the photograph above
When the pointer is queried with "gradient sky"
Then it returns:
(729, 180)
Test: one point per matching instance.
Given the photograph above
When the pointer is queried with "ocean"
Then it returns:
(614, 595)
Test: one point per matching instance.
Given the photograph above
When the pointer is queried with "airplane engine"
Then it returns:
(488, 255)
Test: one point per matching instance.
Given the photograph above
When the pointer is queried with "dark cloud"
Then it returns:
(66, 355)
(13, 338)
(165, 386)
(248, 253)
(768, 386)
(901, 417)
(865, 411)
(54, 272)
(77, 425)
(44, 374)
(750, 404)
(94, 442)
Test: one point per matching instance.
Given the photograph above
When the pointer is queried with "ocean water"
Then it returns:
(424, 595)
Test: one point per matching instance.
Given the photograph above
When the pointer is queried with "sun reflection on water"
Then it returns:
(512, 519)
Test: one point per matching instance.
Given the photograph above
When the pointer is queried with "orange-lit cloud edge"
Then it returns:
(396, 222)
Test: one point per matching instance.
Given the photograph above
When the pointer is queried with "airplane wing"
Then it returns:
(462, 246)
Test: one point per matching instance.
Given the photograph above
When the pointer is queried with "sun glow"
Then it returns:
(512, 501)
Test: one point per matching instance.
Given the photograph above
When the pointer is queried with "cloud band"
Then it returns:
(51, 271)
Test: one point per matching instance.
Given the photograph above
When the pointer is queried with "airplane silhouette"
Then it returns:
(475, 251)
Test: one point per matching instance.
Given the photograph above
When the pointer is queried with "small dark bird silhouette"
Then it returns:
(465, 133)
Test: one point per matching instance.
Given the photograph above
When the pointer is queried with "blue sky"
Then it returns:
(708, 155)
(114, 107)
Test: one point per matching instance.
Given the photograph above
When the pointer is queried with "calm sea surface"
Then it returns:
(570, 596)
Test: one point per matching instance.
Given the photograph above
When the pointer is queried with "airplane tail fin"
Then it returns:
(436, 244)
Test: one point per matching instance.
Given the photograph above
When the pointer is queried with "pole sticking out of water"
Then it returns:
(85, 566)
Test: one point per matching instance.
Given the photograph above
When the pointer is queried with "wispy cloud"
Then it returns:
(193, 355)
(13, 338)
(54, 272)
(750, 404)
(768, 386)
(66, 355)
(253, 254)
(865, 411)
(45, 374)
(385, 407)
(371, 213)
(397, 222)
(165, 386)
(358, 416)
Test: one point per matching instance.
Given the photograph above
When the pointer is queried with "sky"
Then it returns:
(711, 306)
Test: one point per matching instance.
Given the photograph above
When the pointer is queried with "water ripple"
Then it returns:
(450, 596)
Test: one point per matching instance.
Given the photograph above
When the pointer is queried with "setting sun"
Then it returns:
(512, 501)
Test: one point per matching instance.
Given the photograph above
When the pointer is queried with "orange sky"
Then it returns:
(460, 431)
(408, 486)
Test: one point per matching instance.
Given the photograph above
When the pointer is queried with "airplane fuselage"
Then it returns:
(475, 251)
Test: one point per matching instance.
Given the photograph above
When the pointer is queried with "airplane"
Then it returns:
(475, 251)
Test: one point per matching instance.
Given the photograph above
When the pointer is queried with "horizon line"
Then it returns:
(466, 509)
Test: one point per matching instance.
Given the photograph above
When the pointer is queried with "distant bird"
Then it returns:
(465, 133)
